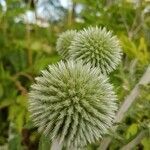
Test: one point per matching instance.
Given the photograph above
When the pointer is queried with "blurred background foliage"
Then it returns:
(28, 33)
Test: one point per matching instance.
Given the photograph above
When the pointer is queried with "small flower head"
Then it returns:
(64, 42)
(98, 47)
(72, 103)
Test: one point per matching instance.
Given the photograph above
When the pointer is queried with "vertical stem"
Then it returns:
(56, 145)
(29, 52)
(71, 13)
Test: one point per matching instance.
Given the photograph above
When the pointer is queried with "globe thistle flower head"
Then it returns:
(63, 43)
(98, 47)
(72, 103)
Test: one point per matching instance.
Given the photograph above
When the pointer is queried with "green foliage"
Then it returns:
(140, 51)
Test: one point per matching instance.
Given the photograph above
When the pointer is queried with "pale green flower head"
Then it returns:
(96, 46)
(72, 103)
(63, 43)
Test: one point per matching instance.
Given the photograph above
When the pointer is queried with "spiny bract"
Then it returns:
(72, 103)
(64, 42)
(98, 47)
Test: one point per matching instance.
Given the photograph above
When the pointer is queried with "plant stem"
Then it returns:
(29, 51)
(71, 13)
(56, 145)
(145, 79)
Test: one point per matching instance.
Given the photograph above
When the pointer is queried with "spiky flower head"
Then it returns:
(97, 46)
(72, 103)
(63, 43)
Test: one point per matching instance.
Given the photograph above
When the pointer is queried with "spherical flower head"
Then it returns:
(72, 103)
(63, 43)
(98, 47)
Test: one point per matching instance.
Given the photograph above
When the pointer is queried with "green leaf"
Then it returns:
(5, 103)
(15, 143)
(146, 143)
(44, 143)
(20, 120)
(22, 100)
(129, 47)
(17, 115)
(143, 54)
(1, 90)
(132, 130)
(14, 139)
